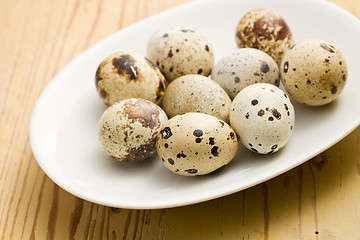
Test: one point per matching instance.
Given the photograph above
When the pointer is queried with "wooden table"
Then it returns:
(317, 200)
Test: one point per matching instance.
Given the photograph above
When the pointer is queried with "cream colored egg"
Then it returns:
(314, 72)
(128, 129)
(265, 30)
(125, 75)
(196, 93)
(263, 117)
(196, 144)
(178, 51)
(244, 67)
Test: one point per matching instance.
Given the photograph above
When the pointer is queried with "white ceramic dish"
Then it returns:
(63, 128)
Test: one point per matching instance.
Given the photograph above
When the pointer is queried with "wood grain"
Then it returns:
(317, 200)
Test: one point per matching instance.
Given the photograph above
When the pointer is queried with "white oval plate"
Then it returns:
(63, 128)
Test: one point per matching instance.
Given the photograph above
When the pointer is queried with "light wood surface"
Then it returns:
(317, 200)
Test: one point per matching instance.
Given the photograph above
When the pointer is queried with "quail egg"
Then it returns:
(128, 129)
(179, 51)
(266, 30)
(314, 72)
(125, 75)
(196, 144)
(196, 93)
(263, 117)
(243, 67)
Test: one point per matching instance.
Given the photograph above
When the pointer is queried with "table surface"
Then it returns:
(317, 200)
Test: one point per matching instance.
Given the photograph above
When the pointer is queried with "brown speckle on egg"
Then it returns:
(276, 114)
(181, 155)
(125, 75)
(171, 161)
(265, 30)
(333, 89)
(261, 112)
(198, 133)
(214, 151)
(170, 54)
(103, 93)
(191, 171)
(125, 64)
(166, 133)
(254, 102)
(138, 153)
(264, 67)
(128, 129)
(148, 119)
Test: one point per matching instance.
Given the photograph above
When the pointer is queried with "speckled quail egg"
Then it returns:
(263, 117)
(243, 67)
(125, 75)
(314, 72)
(179, 51)
(196, 144)
(266, 30)
(128, 129)
(196, 93)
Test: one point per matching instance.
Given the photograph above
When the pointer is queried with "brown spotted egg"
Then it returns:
(196, 93)
(263, 117)
(266, 30)
(196, 144)
(125, 75)
(314, 72)
(128, 129)
(244, 67)
(179, 51)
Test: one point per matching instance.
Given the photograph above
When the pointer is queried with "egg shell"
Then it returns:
(128, 129)
(178, 51)
(314, 72)
(127, 74)
(196, 93)
(196, 144)
(266, 30)
(244, 67)
(263, 117)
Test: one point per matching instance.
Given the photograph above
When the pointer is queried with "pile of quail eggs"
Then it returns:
(193, 112)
